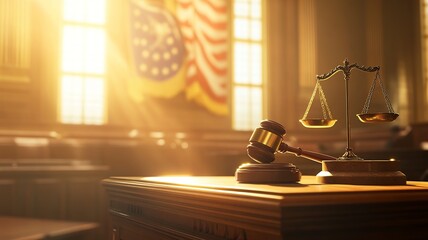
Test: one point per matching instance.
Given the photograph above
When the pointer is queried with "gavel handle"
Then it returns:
(314, 156)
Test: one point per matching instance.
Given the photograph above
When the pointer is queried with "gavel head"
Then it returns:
(265, 141)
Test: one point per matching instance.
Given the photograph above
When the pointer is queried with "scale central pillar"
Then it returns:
(349, 155)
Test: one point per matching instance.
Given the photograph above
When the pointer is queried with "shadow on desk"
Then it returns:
(14, 228)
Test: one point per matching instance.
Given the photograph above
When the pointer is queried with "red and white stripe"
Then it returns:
(204, 28)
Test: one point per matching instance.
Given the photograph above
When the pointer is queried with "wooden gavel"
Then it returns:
(268, 139)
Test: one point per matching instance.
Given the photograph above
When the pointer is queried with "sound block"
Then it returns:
(268, 173)
(361, 172)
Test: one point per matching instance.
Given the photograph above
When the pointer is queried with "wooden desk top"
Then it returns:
(306, 192)
(15, 228)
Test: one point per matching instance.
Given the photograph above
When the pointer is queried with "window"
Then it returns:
(82, 80)
(247, 83)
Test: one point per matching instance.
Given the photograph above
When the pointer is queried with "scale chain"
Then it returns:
(369, 97)
(384, 93)
(323, 101)
(324, 114)
(305, 115)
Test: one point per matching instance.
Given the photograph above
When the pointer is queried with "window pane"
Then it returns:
(247, 107)
(94, 101)
(256, 66)
(72, 49)
(241, 108)
(94, 55)
(83, 50)
(256, 9)
(85, 11)
(82, 100)
(242, 8)
(71, 99)
(242, 28)
(247, 63)
(256, 30)
(74, 10)
(95, 11)
(241, 63)
(256, 106)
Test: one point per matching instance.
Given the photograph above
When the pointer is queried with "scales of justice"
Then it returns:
(267, 140)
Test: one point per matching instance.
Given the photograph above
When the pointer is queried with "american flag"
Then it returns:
(158, 49)
(204, 28)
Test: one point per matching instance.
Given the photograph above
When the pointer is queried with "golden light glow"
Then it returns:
(31, 141)
(133, 133)
(178, 179)
(157, 134)
(324, 174)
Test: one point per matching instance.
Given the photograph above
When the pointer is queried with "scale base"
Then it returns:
(361, 172)
(268, 173)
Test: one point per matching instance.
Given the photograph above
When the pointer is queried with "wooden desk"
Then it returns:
(221, 208)
(13, 228)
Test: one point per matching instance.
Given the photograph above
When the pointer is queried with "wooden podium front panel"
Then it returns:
(221, 208)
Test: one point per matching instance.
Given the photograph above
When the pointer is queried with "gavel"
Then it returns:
(268, 139)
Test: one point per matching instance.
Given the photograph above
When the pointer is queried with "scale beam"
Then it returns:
(346, 69)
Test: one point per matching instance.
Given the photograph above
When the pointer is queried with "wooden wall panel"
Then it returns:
(9, 195)
(46, 198)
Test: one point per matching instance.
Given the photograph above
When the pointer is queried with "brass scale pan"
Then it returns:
(380, 117)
